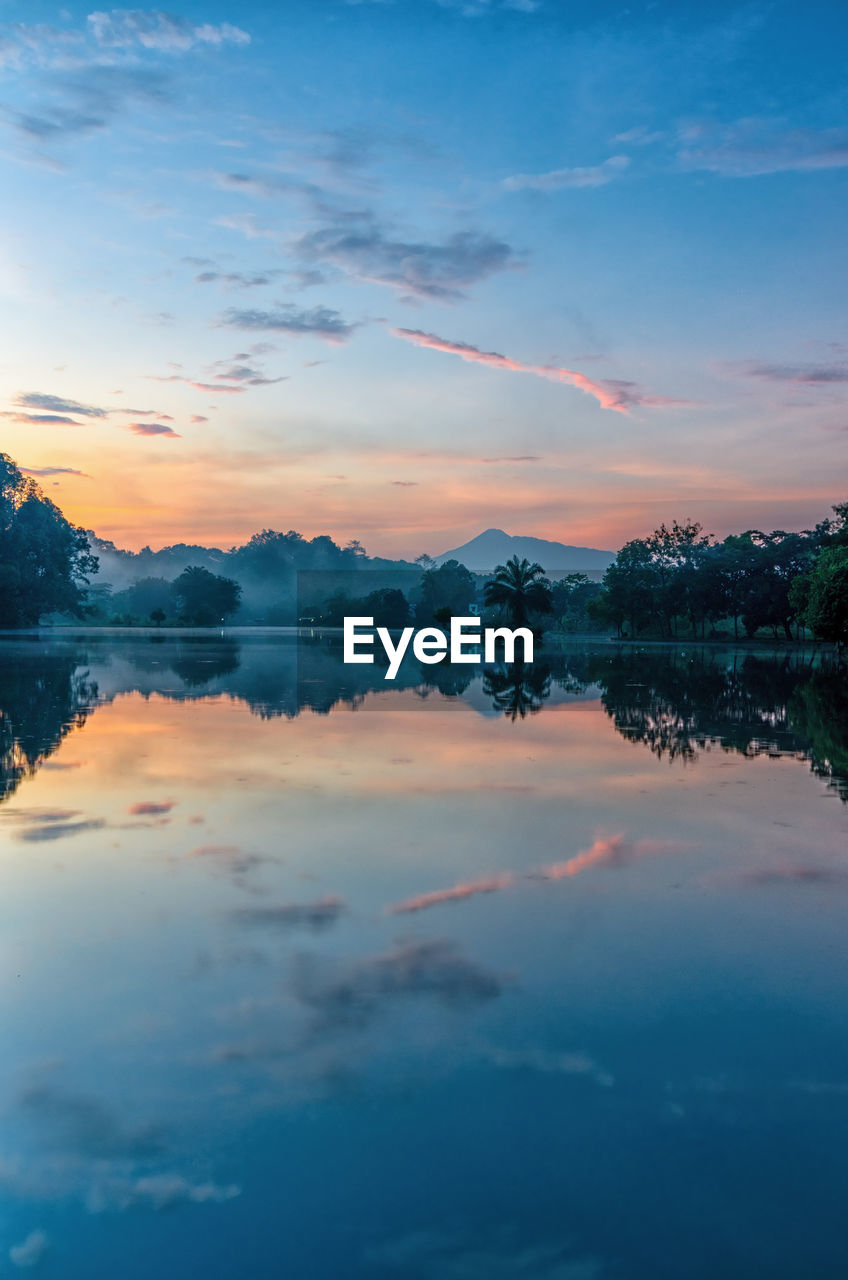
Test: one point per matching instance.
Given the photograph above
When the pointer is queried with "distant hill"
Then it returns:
(496, 547)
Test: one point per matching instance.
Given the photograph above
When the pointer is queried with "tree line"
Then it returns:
(681, 581)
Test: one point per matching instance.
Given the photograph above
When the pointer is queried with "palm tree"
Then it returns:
(520, 588)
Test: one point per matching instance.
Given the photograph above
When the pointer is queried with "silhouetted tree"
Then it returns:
(45, 561)
(204, 598)
(447, 591)
(388, 606)
(571, 597)
(520, 589)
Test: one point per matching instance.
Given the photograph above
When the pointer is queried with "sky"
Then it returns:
(405, 271)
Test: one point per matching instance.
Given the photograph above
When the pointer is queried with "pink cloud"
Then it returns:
(607, 851)
(611, 393)
(614, 851)
(458, 893)
(151, 808)
(153, 429)
(216, 388)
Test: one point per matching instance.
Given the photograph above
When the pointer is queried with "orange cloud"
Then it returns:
(611, 393)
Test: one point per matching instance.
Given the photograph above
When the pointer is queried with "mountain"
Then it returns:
(495, 547)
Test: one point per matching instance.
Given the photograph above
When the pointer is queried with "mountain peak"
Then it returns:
(493, 547)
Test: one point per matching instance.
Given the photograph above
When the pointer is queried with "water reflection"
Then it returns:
(675, 702)
(43, 695)
(518, 690)
(308, 973)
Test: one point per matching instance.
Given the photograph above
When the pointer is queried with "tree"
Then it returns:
(777, 558)
(203, 598)
(388, 606)
(629, 587)
(143, 598)
(571, 598)
(158, 616)
(833, 533)
(45, 561)
(676, 555)
(827, 606)
(447, 591)
(520, 588)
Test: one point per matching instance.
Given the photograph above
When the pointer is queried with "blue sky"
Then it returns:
(405, 270)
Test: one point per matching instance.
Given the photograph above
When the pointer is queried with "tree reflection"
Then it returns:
(671, 701)
(676, 703)
(518, 690)
(44, 693)
(197, 665)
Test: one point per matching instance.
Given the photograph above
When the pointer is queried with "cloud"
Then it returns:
(323, 322)
(251, 376)
(607, 851)
(231, 859)
(496, 1253)
(557, 179)
(640, 136)
(53, 471)
(313, 915)
(459, 893)
(351, 995)
(212, 387)
(807, 375)
(90, 99)
(823, 877)
(22, 43)
(157, 1191)
(163, 32)
(549, 1062)
(198, 417)
(59, 405)
(30, 1251)
(151, 808)
(403, 484)
(471, 8)
(420, 269)
(59, 830)
(40, 815)
(611, 393)
(238, 279)
(85, 1127)
(242, 375)
(37, 419)
(520, 457)
(153, 429)
(754, 147)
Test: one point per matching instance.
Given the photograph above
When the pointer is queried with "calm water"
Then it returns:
(537, 975)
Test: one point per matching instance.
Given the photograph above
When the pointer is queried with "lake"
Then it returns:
(532, 973)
